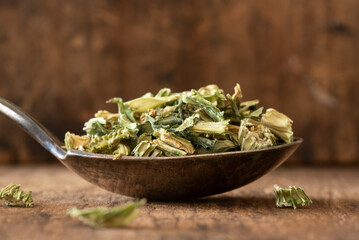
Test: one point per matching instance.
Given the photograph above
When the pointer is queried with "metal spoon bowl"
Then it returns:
(159, 178)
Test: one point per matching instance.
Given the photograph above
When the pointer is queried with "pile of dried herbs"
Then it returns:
(176, 124)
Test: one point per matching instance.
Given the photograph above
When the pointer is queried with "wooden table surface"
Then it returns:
(248, 212)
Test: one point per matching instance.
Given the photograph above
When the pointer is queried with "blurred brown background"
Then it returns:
(61, 60)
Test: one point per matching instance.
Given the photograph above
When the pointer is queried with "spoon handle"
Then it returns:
(32, 127)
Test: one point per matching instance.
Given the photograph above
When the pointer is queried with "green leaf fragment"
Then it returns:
(248, 105)
(203, 115)
(76, 142)
(148, 94)
(15, 197)
(210, 127)
(279, 124)
(145, 137)
(188, 122)
(235, 107)
(165, 123)
(145, 128)
(256, 114)
(291, 197)
(253, 135)
(219, 146)
(122, 150)
(144, 149)
(168, 149)
(167, 111)
(175, 141)
(122, 108)
(108, 143)
(237, 96)
(96, 127)
(197, 100)
(108, 217)
(164, 92)
(156, 153)
(107, 115)
(203, 142)
(142, 104)
(213, 94)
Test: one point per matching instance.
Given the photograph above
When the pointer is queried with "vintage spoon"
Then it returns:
(159, 178)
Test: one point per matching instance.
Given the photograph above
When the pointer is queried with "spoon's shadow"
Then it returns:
(230, 208)
(224, 202)
(232, 203)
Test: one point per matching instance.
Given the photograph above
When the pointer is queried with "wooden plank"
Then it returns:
(61, 60)
(245, 213)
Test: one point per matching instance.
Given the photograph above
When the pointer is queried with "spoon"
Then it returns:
(158, 178)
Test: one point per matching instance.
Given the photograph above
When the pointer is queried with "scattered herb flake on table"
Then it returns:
(108, 217)
(15, 197)
(291, 197)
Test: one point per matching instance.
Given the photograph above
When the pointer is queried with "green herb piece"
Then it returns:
(148, 94)
(279, 124)
(219, 146)
(76, 142)
(144, 149)
(291, 197)
(168, 149)
(165, 123)
(142, 104)
(122, 150)
(253, 135)
(144, 137)
(145, 128)
(107, 115)
(210, 127)
(233, 133)
(203, 142)
(197, 100)
(124, 122)
(96, 127)
(164, 92)
(108, 217)
(213, 94)
(232, 108)
(235, 108)
(246, 106)
(156, 153)
(174, 141)
(255, 114)
(167, 111)
(109, 143)
(15, 197)
(122, 108)
(203, 115)
(188, 122)
(237, 96)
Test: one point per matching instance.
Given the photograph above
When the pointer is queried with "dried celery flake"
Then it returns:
(108, 217)
(15, 197)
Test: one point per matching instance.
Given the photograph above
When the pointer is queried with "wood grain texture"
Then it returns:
(246, 213)
(61, 60)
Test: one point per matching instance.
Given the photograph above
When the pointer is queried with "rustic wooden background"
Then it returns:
(60, 61)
